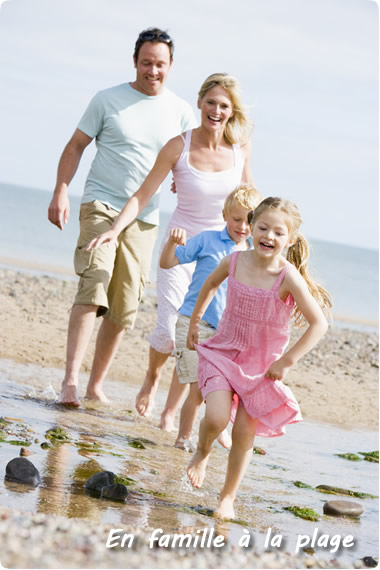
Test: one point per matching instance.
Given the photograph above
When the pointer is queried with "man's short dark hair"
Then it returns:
(153, 35)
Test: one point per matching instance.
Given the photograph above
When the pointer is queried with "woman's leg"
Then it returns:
(218, 412)
(243, 434)
(172, 285)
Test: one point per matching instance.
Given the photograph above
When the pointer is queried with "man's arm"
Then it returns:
(59, 208)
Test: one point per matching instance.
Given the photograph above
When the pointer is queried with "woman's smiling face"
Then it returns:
(216, 108)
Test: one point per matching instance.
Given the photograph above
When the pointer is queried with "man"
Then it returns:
(131, 122)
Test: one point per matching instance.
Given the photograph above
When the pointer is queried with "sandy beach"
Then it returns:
(336, 383)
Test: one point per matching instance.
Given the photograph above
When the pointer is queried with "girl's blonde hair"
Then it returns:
(243, 195)
(239, 127)
(298, 253)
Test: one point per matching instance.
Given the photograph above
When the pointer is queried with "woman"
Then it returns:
(207, 164)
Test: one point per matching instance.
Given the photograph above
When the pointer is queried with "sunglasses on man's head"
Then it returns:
(150, 36)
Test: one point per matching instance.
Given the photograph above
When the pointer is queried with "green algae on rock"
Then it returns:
(58, 434)
(302, 485)
(339, 491)
(303, 513)
(370, 456)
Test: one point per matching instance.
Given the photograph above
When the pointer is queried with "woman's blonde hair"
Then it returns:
(243, 195)
(298, 253)
(239, 127)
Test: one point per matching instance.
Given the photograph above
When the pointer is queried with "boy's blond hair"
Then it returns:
(243, 195)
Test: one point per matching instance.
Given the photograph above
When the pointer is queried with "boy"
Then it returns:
(206, 248)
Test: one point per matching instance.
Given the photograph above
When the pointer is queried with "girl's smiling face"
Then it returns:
(270, 233)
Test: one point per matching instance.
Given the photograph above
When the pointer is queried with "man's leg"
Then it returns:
(81, 325)
(107, 343)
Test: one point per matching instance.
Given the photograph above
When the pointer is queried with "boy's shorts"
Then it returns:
(112, 276)
(187, 360)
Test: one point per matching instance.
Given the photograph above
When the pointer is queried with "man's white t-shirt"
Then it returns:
(130, 129)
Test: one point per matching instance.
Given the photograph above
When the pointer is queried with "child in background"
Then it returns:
(206, 248)
(245, 360)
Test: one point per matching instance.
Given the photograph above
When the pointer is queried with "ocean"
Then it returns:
(29, 241)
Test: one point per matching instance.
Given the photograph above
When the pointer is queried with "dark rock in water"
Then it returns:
(116, 492)
(99, 480)
(370, 562)
(343, 508)
(22, 470)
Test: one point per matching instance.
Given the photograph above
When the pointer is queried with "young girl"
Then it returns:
(245, 362)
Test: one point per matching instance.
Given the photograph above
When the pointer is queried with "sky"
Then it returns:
(308, 70)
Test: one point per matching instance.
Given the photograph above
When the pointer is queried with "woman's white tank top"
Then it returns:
(201, 195)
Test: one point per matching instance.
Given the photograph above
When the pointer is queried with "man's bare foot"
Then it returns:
(196, 469)
(97, 394)
(185, 444)
(225, 509)
(224, 439)
(145, 399)
(69, 397)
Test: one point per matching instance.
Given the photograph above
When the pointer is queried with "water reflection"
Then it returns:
(160, 496)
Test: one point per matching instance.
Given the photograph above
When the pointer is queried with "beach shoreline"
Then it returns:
(68, 274)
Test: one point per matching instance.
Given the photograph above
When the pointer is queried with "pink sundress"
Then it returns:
(252, 333)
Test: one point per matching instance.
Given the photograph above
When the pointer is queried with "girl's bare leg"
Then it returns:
(243, 434)
(218, 411)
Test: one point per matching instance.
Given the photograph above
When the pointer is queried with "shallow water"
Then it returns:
(160, 495)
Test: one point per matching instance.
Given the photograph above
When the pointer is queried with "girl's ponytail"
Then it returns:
(298, 255)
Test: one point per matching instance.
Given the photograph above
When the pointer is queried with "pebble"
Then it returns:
(99, 480)
(23, 471)
(343, 508)
(116, 492)
(24, 451)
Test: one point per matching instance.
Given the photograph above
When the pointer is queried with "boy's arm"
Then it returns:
(168, 257)
(207, 292)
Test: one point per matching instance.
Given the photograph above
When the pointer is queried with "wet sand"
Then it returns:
(336, 383)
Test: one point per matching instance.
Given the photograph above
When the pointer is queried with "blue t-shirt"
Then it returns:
(208, 249)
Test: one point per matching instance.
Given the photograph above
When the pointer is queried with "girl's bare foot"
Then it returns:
(224, 439)
(68, 396)
(196, 469)
(225, 509)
